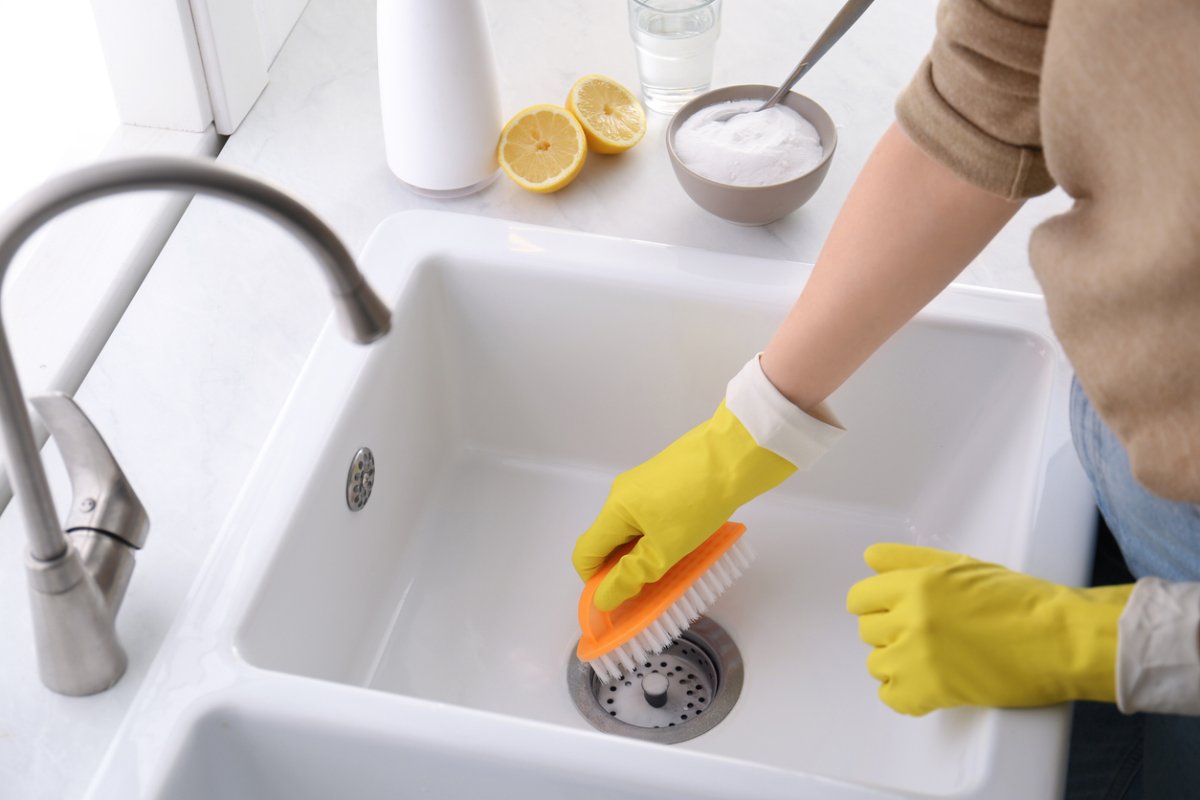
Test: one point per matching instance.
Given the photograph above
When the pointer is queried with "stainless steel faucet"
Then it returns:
(77, 578)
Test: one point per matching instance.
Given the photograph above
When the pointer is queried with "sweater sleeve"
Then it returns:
(1158, 649)
(973, 104)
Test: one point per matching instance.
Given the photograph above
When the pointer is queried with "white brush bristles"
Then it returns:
(658, 635)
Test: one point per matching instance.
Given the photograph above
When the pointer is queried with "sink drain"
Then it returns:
(674, 696)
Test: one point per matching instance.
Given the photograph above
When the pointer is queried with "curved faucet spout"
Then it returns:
(363, 315)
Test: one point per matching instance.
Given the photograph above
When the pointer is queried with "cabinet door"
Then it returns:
(238, 42)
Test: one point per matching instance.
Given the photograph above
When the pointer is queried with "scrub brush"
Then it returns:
(649, 621)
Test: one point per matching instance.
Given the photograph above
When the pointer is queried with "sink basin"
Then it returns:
(280, 741)
(423, 641)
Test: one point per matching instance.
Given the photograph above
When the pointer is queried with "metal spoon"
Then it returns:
(840, 24)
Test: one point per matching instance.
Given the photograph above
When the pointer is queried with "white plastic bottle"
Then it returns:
(438, 95)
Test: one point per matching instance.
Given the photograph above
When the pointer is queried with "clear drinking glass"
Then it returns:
(675, 41)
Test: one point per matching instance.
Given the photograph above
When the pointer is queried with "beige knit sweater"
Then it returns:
(1101, 97)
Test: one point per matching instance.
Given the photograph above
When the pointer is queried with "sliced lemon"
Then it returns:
(611, 116)
(542, 148)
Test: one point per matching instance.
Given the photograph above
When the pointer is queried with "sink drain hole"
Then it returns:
(674, 696)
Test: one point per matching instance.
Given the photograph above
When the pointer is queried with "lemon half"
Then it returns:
(610, 114)
(542, 148)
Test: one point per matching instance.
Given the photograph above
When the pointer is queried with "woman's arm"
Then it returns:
(908, 227)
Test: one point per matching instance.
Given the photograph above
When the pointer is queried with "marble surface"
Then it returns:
(189, 383)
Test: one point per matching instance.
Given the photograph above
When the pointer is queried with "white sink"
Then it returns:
(422, 643)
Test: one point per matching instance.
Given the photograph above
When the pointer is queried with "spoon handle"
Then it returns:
(840, 24)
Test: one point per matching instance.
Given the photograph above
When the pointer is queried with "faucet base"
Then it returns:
(73, 625)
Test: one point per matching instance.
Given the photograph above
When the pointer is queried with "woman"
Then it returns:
(1103, 99)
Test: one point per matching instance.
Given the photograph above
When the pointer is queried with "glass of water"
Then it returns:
(675, 40)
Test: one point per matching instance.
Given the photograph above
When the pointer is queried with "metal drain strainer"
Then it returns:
(673, 696)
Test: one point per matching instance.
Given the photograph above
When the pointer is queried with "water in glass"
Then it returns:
(675, 41)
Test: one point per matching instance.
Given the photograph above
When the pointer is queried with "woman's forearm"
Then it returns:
(907, 228)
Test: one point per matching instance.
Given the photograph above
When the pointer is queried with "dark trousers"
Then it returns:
(1115, 756)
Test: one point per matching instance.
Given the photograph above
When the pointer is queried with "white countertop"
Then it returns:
(191, 380)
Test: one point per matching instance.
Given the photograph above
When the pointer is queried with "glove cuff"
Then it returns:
(776, 423)
(1090, 633)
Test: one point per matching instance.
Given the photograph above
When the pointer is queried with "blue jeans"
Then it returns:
(1158, 537)
(1116, 756)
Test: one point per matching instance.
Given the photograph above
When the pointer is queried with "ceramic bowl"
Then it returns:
(754, 205)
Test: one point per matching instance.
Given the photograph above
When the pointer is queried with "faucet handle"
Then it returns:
(103, 498)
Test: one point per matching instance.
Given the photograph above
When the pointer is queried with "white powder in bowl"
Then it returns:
(758, 149)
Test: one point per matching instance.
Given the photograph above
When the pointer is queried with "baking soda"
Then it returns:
(758, 149)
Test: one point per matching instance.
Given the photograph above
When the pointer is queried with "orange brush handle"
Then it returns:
(605, 631)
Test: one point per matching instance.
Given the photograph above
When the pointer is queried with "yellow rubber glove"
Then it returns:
(951, 631)
(681, 496)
